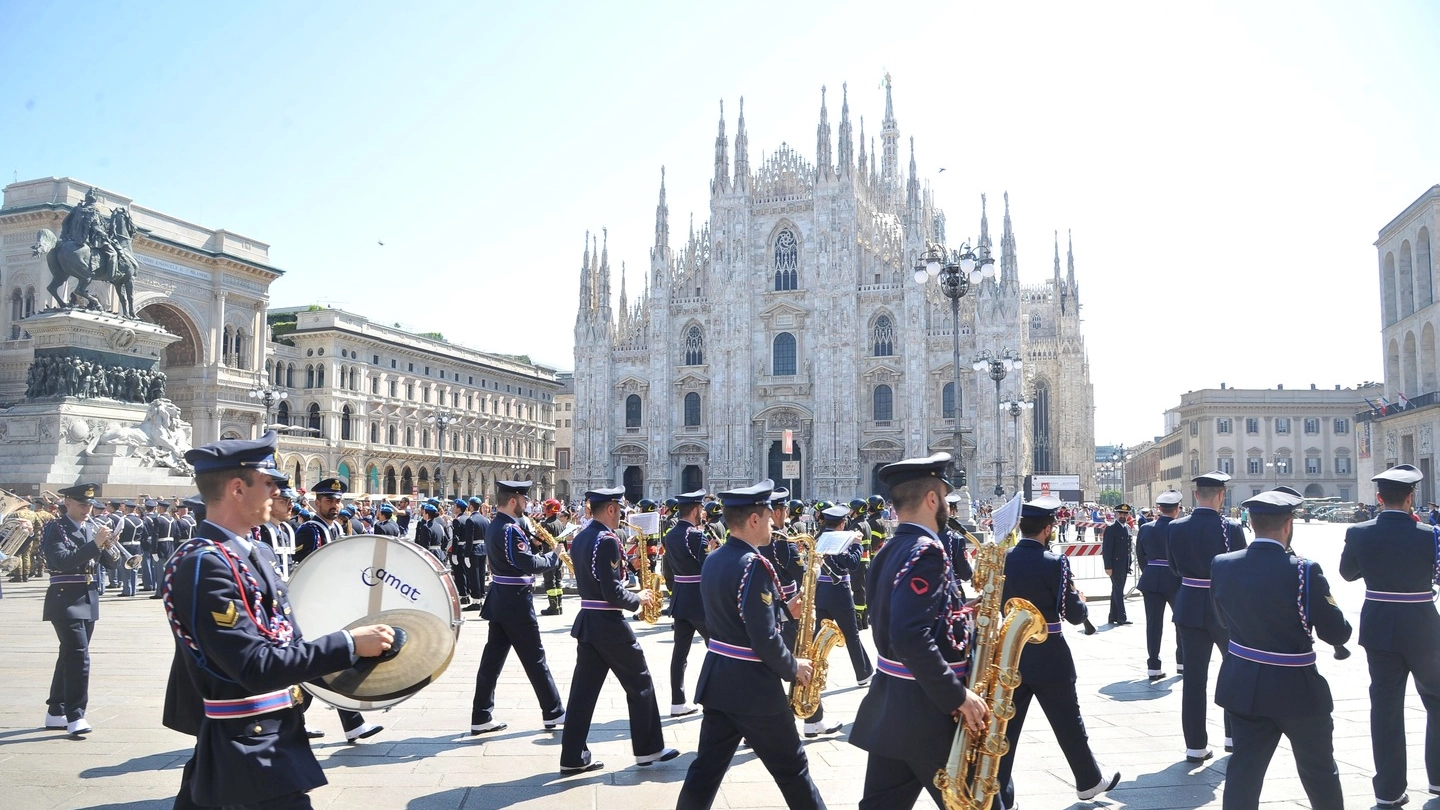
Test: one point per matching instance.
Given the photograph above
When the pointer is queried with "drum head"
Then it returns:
(348, 582)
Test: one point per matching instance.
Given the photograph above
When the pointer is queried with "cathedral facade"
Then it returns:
(788, 328)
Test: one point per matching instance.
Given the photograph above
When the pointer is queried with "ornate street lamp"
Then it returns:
(998, 366)
(441, 420)
(1016, 407)
(269, 396)
(956, 270)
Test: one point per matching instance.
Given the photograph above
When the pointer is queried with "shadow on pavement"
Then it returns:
(173, 760)
(1139, 689)
(141, 804)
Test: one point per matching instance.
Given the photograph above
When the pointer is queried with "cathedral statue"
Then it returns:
(91, 247)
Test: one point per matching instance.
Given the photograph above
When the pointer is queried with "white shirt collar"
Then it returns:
(239, 545)
(932, 535)
(1266, 540)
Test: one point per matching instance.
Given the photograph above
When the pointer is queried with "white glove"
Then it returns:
(454, 560)
(467, 562)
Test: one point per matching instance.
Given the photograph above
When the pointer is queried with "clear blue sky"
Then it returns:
(1225, 167)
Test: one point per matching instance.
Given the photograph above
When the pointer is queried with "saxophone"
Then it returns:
(649, 580)
(548, 540)
(969, 780)
(805, 700)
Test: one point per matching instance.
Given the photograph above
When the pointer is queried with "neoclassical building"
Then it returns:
(793, 309)
(210, 287)
(369, 402)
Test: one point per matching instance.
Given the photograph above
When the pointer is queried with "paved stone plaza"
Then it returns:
(423, 759)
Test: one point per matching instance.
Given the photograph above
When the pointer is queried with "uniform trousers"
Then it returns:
(1117, 595)
(294, 801)
(893, 783)
(1062, 708)
(460, 572)
(857, 594)
(775, 742)
(1311, 740)
(70, 686)
(592, 663)
(1196, 644)
(1388, 673)
(859, 658)
(553, 586)
(524, 636)
(148, 573)
(684, 633)
(128, 581)
(475, 578)
(1155, 604)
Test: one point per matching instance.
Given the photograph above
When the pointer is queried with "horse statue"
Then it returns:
(164, 436)
(90, 248)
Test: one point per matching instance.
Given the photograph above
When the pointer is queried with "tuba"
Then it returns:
(17, 526)
(816, 646)
(969, 780)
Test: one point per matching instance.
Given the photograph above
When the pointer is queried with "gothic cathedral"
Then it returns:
(832, 344)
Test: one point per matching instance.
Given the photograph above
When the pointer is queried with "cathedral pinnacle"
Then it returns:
(824, 166)
(662, 217)
(742, 152)
(1069, 259)
(722, 157)
(846, 147)
(587, 296)
(1009, 266)
(984, 225)
(912, 188)
(864, 170)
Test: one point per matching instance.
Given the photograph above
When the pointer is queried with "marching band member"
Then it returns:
(742, 679)
(1268, 683)
(835, 595)
(607, 644)
(1047, 669)
(387, 525)
(73, 546)
(510, 609)
(785, 561)
(321, 527)
(553, 581)
(907, 719)
(1400, 561)
(1194, 541)
(685, 550)
(460, 539)
(242, 654)
(479, 556)
(1158, 583)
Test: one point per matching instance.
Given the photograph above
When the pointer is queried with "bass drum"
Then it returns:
(348, 580)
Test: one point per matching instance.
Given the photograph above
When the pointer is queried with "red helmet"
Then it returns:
(552, 507)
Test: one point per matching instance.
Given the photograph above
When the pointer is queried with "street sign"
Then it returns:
(789, 470)
(788, 446)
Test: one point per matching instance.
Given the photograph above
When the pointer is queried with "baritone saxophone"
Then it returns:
(810, 644)
(969, 780)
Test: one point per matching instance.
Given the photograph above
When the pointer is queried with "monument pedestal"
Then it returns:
(95, 410)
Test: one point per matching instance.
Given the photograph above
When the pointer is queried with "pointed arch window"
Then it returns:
(694, 347)
(692, 409)
(1040, 428)
(633, 411)
(947, 401)
(884, 337)
(787, 261)
(884, 402)
(783, 355)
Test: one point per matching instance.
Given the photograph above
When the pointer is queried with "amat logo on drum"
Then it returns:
(379, 576)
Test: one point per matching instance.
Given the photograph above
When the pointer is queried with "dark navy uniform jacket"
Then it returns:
(1258, 594)
(1116, 546)
(480, 531)
(1150, 551)
(462, 534)
(311, 535)
(915, 619)
(1397, 555)
(786, 562)
(955, 546)
(836, 596)
(250, 759)
(68, 549)
(430, 534)
(1035, 573)
(131, 531)
(743, 606)
(1194, 541)
(600, 577)
(508, 547)
(684, 556)
(388, 528)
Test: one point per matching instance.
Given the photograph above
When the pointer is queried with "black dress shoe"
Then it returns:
(1089, 628)
(590, 765)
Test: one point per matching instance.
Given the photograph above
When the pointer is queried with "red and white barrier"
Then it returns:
(1079, 549)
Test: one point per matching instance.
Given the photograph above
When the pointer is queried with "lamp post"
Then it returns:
(269, 397)
(998, 366)
(1118, 458)
(1015, 407)
(441, 420)
(956, 270)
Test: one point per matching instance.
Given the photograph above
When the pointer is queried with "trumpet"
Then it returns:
(115, 555)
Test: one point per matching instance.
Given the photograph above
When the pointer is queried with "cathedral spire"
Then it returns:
(662, 217)
(1009, 264)
(824, 166)
(890, 137)
(984, 224)
(587, 293)
(604, 289)
(624, 300)
(864, 171)
(1057, 258)
(721, 182)
(1070, 260)
(874, 165)
(742, 152)
(912, 192)
(846, 147)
